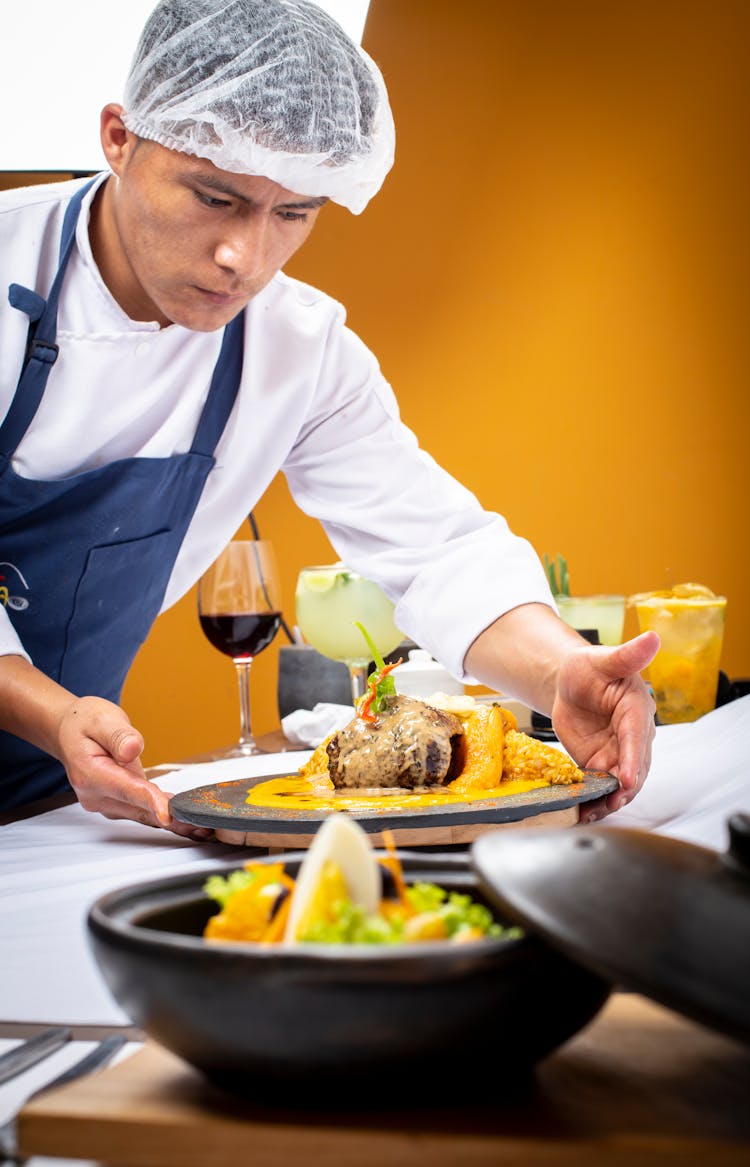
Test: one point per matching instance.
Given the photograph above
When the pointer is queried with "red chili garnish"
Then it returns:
(365, 709)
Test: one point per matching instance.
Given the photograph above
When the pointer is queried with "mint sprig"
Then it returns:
(381, 686)
(558, 586)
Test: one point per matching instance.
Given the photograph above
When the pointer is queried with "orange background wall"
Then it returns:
(554, 278)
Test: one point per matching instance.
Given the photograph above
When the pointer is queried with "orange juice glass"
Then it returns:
(684, 674)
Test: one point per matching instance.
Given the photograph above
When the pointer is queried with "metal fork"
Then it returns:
(95, 1060)
(28, 1053)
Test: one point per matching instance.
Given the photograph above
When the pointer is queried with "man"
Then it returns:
(158, 369)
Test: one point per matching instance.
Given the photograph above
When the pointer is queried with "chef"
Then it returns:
(158, 369)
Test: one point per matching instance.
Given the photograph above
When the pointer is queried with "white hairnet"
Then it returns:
(268, 87)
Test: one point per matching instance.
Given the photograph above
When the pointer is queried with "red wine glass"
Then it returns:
(240, 613)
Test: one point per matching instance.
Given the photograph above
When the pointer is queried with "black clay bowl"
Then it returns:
(343, 1023)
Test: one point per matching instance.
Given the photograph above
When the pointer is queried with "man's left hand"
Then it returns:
(603, 714)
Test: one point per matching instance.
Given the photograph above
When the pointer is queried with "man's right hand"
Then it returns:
(95, 742)
(101, 753)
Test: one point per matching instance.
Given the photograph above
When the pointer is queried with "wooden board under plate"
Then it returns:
(223, 807)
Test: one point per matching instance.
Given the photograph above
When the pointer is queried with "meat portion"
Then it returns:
(409, 745)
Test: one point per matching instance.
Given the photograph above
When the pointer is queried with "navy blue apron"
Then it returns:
(85, 561)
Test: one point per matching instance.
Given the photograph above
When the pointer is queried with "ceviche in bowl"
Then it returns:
(345, 975)
(344, 893)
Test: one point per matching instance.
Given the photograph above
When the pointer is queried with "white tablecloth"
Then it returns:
(54, 866)
(699, 777)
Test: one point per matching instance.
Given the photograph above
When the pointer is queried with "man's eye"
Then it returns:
(211, 200)
(294, 216)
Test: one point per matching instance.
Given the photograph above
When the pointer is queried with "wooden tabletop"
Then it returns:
(640, 1086)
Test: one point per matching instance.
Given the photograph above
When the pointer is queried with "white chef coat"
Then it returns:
(312, 402)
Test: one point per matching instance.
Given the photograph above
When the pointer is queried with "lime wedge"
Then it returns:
(320, 581)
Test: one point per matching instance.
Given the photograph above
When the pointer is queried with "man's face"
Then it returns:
(179, 241)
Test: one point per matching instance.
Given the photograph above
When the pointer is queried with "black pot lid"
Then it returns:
(647, 913)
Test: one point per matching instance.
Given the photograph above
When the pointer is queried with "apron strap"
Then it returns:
(222, 393)
(41, 346)
(42, 350)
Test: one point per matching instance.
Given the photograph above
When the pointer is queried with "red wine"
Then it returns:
(241, 636)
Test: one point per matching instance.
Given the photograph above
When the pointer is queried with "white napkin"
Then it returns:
(309, 727)
(699, 777)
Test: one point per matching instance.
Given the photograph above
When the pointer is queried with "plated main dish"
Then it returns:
(343, 894)
(399, 751)
(446, 765)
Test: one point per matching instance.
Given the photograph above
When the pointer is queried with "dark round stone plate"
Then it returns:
(223, 806)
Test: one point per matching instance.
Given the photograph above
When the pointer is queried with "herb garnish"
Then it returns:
(561, 586)
(379, 684)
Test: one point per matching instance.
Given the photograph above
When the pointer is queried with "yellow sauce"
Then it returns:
(298, 793)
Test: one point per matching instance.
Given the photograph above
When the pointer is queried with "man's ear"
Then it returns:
(117, 141)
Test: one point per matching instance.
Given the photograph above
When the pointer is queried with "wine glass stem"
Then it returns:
(358, 677)
(246, 742)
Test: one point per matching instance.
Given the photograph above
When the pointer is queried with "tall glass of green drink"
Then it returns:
(330, 600)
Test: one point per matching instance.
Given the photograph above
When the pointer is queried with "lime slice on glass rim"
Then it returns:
(323, 579)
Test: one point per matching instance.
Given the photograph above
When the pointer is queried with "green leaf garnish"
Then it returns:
(371, 645)
(379, 684)
(559, 585)
(220, 888)
(350, 924)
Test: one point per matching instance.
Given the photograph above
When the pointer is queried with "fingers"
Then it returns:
(110, 727)
(92, 727)
(607, 714)
(636, 727)
(635, 758)
(101, 753)
(592, 812)
(141, 802)
(115, 810)
(114, 792)
(635, 746)
(632, 656)
(198, 834)
(125, 744)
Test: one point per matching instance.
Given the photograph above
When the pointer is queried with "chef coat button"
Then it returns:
(141, 348)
